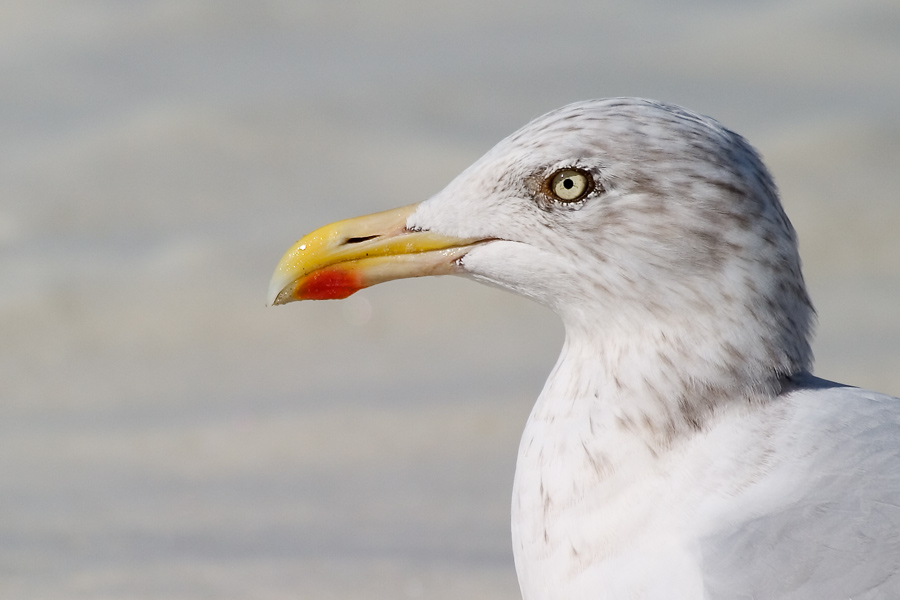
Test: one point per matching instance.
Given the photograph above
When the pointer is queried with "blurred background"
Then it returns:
(163, 434)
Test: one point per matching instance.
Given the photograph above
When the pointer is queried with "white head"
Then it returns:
(669, 242)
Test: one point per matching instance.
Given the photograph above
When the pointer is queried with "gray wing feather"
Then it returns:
(841, 538)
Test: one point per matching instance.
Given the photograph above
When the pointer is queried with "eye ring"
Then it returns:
(569, 185)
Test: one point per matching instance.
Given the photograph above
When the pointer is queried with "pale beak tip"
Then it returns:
(278, 293)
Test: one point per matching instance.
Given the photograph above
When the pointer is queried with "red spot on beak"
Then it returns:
(328, 284)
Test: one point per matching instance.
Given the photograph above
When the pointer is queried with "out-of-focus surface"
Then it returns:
(163, 434)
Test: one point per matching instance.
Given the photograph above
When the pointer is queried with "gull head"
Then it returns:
(638, 222)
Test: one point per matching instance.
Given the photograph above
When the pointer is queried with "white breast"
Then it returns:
(750, 506)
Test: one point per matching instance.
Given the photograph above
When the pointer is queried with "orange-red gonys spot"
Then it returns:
(328, 284)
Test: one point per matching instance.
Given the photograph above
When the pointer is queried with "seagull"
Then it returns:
(681, 447)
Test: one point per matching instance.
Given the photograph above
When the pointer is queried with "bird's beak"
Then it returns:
(342, 258)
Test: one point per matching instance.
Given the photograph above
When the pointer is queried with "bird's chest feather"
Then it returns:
(597, 514)
(575, 520)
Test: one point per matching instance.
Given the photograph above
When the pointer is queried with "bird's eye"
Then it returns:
(570, 185)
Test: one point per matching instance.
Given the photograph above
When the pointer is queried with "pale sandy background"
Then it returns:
(163, 434)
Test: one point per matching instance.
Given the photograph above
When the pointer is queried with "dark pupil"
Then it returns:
(568, 184)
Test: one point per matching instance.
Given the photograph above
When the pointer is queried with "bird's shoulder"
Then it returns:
(833, 530)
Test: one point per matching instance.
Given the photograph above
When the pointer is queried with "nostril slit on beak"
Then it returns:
(356, 240)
